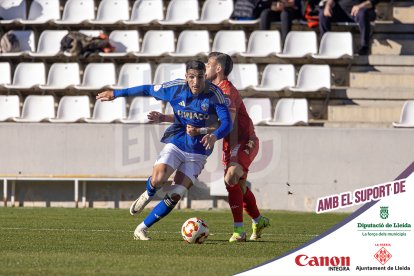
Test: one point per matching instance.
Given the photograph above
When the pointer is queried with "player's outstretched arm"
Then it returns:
(158, 117)
(107, 95)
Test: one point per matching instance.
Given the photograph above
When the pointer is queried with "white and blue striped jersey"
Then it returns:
(202, 110)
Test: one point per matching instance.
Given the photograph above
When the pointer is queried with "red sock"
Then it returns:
(249, 204)
(236, 202)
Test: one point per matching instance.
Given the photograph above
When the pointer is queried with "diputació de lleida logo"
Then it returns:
(384, 212)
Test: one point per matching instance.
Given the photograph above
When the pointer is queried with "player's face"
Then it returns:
(211, 69)
(196, 80)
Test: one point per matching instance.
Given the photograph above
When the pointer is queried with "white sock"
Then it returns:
(142, 226)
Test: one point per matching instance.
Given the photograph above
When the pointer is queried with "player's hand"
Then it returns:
(192, 130)
(355, 10)
(208, 141)
(155, 117)
(107, 95)
(327, 11)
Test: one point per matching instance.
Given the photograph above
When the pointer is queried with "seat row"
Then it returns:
(115, 12)
(97, 76)
(155, 43)
(73, 109)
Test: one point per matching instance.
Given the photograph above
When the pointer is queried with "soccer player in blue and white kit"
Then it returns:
(197, 103)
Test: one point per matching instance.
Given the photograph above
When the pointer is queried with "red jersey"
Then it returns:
(243, 128)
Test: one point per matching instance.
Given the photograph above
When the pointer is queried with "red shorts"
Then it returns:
(241, 154)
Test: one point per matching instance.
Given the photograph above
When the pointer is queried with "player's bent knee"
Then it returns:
(176, 192)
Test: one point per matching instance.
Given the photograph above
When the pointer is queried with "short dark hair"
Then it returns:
(224, 60)
(195, 65)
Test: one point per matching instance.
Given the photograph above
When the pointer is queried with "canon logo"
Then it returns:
(304, 260)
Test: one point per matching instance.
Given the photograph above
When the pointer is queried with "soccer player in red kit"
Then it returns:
(240, 148)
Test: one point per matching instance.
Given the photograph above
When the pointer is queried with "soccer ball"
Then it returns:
(194, 230)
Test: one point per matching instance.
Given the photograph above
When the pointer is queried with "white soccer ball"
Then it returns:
(194, 230)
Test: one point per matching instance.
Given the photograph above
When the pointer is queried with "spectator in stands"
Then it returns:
(280, 10)
(359, 11)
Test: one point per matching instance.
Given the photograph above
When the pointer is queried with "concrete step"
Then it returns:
(382, 93)
(364, 113)
(357, 124)
(392, 44)
(381, 79)
(404, 15)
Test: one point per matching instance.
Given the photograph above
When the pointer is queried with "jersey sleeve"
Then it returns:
(160, 91)
(223, 114)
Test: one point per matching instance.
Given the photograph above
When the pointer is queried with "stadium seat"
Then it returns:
(312, 78)
(97, 76)
(157, 43)
(139, 109)
(43, 11)
(277, 77)
(5, 76)
(146, 12)
(192, 43)
(229, 42)
(72, 109)
(12, 10)
(36, 109)
(125, 43)
(244, 75)
(49, 43)
(77, 11)
(335, 45)
(9, 107)
(407, 115)
(28, 75)
(259, 109)
(111, 12)
(62, 76)
(26, 42)
(299, 44)
(215, 12)
(289, 112)
(180, 12)
(169, 71)
(133, 74)
(108, 111)
(263, 44)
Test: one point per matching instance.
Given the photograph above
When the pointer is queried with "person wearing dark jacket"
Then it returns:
(359, 11)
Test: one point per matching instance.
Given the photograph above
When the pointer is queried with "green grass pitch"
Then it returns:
(60, 241)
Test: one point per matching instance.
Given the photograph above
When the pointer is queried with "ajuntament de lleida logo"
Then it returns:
(384, 212)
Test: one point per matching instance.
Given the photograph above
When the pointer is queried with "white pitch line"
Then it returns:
(124, 231)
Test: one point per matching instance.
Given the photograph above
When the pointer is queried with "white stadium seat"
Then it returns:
(12, 10)
(407, 115)
(180, 12)
(169, 71)
(28, 75)
(312, 78)
(335, 45)
(229, 42)
(49, 43)
(146, 11)
(289, 112)
(157, 43)
(108, 111)
(111, 12)
(277, 77)
(259, 109)
(299, 44)
(37, 108)
(139, 109)
(215, 12)
(97, 76)
(125, 43)
(263, 44)
(26, 42)
(192, 43)
(43, 11)
(9, 107)
(62, 76)
(5, 76)
(72, 109)
(77, 11)
(133, 74)
(244, 75)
